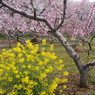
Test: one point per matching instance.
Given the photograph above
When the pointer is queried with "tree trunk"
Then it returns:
(76, 58)
(83, 79)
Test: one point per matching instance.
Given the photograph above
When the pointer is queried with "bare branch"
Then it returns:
(90, 68)
(42, 11)
(67, 22)
(34, 9)
(1, 6)
(89, 65)
(85, 40)
(92, 38)
(19, 40)
(64, 12)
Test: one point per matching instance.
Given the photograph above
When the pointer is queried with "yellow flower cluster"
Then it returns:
(65, 73)
(28, 72)
(43, 41)
(51, 47)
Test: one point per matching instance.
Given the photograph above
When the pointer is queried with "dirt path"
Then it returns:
(6, 43)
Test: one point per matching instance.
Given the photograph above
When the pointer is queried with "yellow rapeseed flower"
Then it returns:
(64, 86)
(6, 74)
(0, 78)
(18, 44)
(28, 41)
(46, 70)
(7, 68)
(65, 73)
(19, 87)
(2, 65)
(60, 91)
(51, 47)
(15, 86)
(26, 72)
(30, 46)
(3, 50)
(16, 71)
(26, 79)
(43, 75)
(17, 76)
(43, 41)
(42, 93)
(21, 60)
(64, 80)
(37, 68)
(10, 79)
(19, 55)
(29, 66)
(40, 63)
(31, 82)
(57, 80)
(18, 50)
(2, 91)
(23, 66)
(14, 92)
(46, 60)
(5, 78)
(43, 49)
(43, 53)
(60, 61)
(50, 68)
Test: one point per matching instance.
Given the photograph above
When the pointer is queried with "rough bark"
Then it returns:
(70, 51)
(83, 78)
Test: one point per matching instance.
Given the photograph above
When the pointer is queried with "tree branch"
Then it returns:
(92, 38)
(64, 12)
(42, 19)
(34, 9)
(85, 40)
(19, 40)
(87, 66)
(1, 6)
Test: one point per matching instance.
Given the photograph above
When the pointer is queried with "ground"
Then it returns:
(73, 87)
(6, 43)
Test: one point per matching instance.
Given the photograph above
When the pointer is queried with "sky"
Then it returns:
(87, 0)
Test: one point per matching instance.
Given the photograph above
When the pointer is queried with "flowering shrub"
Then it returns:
(24, 71)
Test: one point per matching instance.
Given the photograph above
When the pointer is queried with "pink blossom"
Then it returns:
(85, 48)
(80, 44)
(1, 11)
(81, 32)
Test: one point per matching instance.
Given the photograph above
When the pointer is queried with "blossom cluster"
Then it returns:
(25, 71)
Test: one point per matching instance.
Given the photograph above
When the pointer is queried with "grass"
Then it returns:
(92, 80)
(2, 37)
(93, 93)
